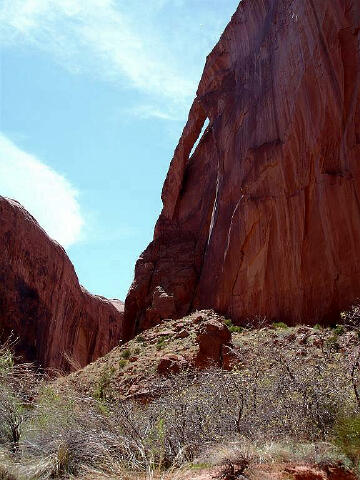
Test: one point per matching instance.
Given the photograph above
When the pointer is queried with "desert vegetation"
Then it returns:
(274, 405)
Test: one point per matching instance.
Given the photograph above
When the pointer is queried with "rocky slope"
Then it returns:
(204, 340)
(269, 397)
(264, 218)
(131, 370)
(57, 322)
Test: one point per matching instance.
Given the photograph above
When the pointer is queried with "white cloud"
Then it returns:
(157, 47)
(46, 194)
(98, 36)
(150, 111)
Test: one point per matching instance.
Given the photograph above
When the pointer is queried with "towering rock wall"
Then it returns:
(57, 322)
(264, 217)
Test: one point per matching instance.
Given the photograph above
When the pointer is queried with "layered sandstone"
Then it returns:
(264, 217)
(57, 322)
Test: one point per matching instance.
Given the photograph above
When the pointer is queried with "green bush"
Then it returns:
(102, 389)
(339, 330)
(279, 325)
(232, 328)
(199, 466)
(235, 329)
(122, 363)
(332, 343)
(161, 342)
(126, 354)
(347, 437)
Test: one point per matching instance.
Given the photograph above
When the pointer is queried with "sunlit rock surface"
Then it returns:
(264, 217)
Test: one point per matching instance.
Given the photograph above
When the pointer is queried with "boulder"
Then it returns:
(171, 364)
(212, 336)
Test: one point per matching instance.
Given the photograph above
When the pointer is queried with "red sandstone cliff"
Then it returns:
(41, 300)
(264, 217)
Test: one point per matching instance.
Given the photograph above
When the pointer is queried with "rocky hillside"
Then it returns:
(263, 218)
(200, 340)
(205, 340)
(55, 321)
(270, 402)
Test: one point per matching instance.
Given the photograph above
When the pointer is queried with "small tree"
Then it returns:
(18, 385)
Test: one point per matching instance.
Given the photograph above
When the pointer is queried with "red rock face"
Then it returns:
(264, 217)
(58, 323)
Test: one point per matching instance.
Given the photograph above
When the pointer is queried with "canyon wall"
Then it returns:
(58, 324)
(264, 217)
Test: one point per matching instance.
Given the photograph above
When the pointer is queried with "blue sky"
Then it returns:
(94, 96)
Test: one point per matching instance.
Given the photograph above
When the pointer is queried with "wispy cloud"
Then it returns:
(150, 111)
(94, 34)
(151, 46)
(46, 194)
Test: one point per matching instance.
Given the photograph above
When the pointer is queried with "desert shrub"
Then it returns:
(338, 330)
(332, 343)
(19, 384)
(160, 344)
(347, 437)
(235, 329)
(277, 396)
(102, 389)
(122, 363)
(70, 430)
(126, 354)
(279, 325)
(214, 406)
